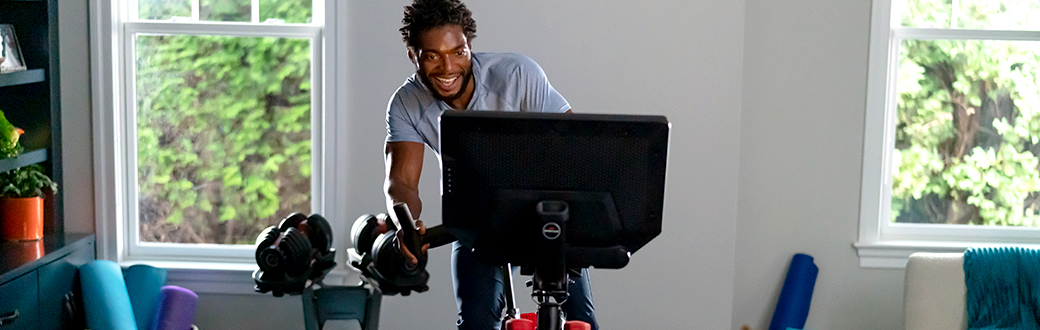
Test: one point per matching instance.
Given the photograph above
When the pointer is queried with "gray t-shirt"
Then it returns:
(503, 82)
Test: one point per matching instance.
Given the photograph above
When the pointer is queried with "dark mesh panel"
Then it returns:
(546, 162)
(495, 169)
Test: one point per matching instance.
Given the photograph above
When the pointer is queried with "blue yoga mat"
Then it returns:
(143, 283)
(792, 308)
(105, 299)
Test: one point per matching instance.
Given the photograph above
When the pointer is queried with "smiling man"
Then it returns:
(438, 35)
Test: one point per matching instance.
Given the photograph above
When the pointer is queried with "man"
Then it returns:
(448, 77)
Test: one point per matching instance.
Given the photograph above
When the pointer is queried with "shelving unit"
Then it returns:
(22, 77)
(38, 278)
(31, 99)
(27, 158)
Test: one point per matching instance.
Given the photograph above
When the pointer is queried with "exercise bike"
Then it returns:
(294, 257)
(594, 196)
(376, 254)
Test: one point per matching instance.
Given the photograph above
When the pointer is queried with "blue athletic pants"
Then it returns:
(480, 299)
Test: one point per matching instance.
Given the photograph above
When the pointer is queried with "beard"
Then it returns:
(466, 80)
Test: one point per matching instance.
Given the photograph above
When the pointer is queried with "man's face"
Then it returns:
(443, 61)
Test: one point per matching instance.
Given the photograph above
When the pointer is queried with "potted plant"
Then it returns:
(21, 190)
(21, 202)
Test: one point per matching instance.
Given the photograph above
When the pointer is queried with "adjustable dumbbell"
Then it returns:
(377, 256)
(289, 247)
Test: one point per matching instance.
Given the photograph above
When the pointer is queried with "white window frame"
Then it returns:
(883, 244)
(112, 81)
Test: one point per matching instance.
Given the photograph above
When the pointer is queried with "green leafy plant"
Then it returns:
(223, 130)
(8, 138)
(25, 182)
(968, 121)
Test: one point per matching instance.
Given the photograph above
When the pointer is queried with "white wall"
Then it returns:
(767, 101)
(77, 149)
(801, 148)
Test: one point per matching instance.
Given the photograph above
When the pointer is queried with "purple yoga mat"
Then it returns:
(176, 309)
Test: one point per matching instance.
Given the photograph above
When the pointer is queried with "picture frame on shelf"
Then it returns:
(11, 59)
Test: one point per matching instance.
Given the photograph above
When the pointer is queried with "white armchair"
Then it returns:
(933, 298)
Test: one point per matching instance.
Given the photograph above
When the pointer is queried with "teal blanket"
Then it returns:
(1003, 288)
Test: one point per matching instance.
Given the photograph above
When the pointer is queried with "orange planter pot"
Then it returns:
(21, 219)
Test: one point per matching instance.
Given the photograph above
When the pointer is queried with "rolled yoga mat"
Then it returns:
(792, 308)
(176, 309)
(105, 299)
(144, 283)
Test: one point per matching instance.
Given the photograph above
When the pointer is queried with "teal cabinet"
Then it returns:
(40, 280)
(19, 304)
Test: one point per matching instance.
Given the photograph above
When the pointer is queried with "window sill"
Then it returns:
(228, 278)
(894, 254)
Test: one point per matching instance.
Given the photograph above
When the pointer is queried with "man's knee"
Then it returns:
(479, 316)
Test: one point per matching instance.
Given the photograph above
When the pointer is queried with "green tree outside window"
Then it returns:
(223, 127)
(968, 118)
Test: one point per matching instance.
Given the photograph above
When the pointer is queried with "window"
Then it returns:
(953, 128)
(210, 117)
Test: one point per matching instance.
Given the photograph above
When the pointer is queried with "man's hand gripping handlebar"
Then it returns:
(385, 245)
(410, 235)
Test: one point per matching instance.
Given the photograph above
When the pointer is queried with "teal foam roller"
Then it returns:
(143, 283)
(106, 302)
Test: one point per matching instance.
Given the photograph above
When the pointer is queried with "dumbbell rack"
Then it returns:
(326, 302)
(294, 257)
(359, 303)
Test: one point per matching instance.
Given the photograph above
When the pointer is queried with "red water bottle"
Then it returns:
(576, 325)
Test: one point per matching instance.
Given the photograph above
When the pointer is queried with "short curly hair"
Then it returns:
(424, 15)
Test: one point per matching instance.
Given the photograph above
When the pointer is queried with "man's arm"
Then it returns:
(404, 161)
(403, 166)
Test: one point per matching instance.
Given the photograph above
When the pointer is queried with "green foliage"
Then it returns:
(225, 10)
(26, 181)
(23, 182)
(290, 11)
(8, 138)
(277, 9)
(223, 131)
(968, 120)
(972, 14)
